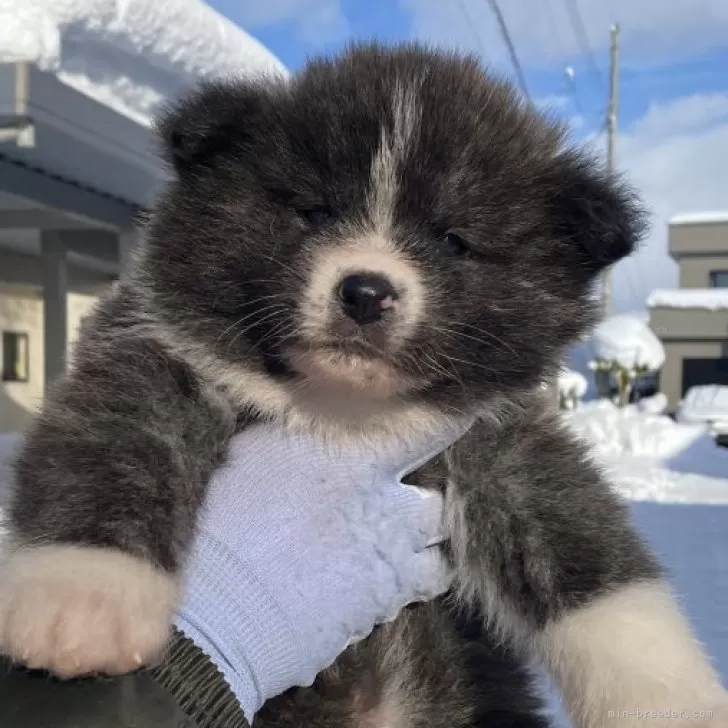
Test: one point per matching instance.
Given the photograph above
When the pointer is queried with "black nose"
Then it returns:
(366, 297)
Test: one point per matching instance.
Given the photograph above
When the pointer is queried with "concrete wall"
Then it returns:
(21, 309)
(672, 371)
(687, 333)
(695, 270)
(699, 248)
(699, 239)
(689, 324)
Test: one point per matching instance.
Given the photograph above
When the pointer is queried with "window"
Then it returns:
(15, 356)
(719, 278)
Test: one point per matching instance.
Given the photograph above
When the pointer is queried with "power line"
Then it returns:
(573, 84)
(472, 27)
(511, 48)
(572, 79)
(577, 24)
(552, 19)
(612, 140)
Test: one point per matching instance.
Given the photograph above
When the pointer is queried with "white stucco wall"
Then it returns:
(21, 309)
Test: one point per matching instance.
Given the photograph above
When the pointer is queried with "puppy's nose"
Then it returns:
(366, 297)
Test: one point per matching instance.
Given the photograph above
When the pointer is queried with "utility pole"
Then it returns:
(603, 379)
(613, 110)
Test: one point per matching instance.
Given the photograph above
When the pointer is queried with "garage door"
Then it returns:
(704, 371)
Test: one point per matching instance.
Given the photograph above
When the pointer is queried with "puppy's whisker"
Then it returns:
(248, 317)
(285, 266)
(485, 333)
(455, 334)
(258, 322)
(272, 296)
(279, 333)
(468, 362)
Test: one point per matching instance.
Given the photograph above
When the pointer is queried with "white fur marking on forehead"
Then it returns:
(390, 156)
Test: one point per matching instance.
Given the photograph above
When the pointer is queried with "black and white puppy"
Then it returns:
(387, 242)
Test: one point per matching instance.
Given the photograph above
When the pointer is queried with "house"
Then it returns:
(692, 321)
(79, 84)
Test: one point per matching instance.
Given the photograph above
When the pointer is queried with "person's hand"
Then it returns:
(302, 549)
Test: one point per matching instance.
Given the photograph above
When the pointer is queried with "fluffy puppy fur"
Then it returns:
(385, 243)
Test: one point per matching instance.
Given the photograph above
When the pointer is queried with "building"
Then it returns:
(692, 321)
(79, 84)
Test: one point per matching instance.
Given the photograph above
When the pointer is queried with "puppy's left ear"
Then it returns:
(597, 217)
(210, 120)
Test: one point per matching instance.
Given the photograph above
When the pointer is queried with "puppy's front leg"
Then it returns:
(548, 550)
(108, 484)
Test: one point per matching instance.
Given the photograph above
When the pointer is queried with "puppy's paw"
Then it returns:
(76, 610)
(630, 659)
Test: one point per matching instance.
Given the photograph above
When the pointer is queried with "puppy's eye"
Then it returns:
(318, 216)
(452, 244)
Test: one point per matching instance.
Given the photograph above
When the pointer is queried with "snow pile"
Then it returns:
(709, 299)
(651, 457)
(572, 383)
(617, 432)
(129, 54)
(654, 405)
(706, 404)
(572, 387)
(629, 342)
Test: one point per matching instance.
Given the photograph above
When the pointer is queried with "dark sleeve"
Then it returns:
(185, 691)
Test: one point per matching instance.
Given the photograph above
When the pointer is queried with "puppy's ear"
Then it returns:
(597, 217)
(210, 120)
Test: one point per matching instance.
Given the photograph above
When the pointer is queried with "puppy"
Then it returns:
(388, 242)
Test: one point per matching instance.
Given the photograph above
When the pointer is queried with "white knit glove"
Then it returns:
(302, 549)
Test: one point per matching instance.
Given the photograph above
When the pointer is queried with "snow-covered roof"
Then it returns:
(710, 299)
(629, 341)
(130, 54)
(699, 218)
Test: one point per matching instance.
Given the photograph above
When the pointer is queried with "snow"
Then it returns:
(698, 218)
(654, 405)
(711, 299)
(706, 404)
(650, 457)
(572, 387)
(129, 54)
(629, 341)
(572, 383)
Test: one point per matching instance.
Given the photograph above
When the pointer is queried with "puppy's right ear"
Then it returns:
(210, 120)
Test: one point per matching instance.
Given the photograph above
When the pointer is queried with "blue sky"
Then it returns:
(674, 83)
